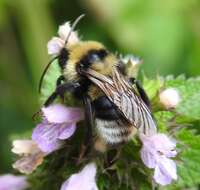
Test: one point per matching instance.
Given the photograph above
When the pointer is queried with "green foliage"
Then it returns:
(160, 32)
(49, 82)
(188, 165)
(152, 86)
(190, 95)
(184, 127)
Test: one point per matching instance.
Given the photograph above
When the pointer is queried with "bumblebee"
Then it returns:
(115, 105)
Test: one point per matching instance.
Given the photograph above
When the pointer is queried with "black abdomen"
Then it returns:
(109, 124)
(105, 109)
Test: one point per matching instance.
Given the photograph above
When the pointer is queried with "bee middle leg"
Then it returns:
(60, 91)
(141, 91)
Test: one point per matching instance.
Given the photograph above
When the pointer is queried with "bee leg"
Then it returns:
(60, 80)
(89, 122)
(60, 90)
(58, 83)
(141, 91)
(112, 156)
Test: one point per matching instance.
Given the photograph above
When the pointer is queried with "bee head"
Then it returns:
(89, 54)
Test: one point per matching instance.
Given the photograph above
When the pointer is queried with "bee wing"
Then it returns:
(119, 91)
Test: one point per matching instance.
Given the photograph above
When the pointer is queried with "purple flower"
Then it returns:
(59, 123)
(11, 182)
(24, 146)
(55, 45)
(156, 153)
(30, 155)
(84, 180)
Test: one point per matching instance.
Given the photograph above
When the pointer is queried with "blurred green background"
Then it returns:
(165, 34)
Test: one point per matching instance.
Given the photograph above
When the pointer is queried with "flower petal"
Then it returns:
(160, 177)
(148, 158)
(63, 32)
(171, 154)
(164, 144)
(57, 113)
(67, 131)
(84, 180)
(55, 45)
(11, 182)
(27, 164)
(159, 143)
(46, 136)
(165, 171)
(24, 146)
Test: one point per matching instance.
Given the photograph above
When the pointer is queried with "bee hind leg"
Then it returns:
(89, 122)
(111, 157)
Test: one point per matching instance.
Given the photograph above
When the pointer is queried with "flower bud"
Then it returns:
(169, 98)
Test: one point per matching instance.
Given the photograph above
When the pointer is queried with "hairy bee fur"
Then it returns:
(94, 55)
(81, 53)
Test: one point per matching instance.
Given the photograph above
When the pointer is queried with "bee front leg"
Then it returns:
(58, 83)
(53, 95)
(60, 80)
(89, 123)
(60, 90)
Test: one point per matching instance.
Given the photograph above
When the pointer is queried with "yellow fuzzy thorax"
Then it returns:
(79, 50)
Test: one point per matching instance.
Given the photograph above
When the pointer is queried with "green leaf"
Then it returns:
(163, 118)
(190, 95)
(49, 83)
(152, 86)
(189, 158)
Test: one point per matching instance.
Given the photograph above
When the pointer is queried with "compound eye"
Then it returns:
(94, 58)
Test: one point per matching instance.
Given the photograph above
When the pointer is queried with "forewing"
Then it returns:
(131, 106)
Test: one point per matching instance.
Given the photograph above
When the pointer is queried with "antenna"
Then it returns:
(44, 72)
(73, 27)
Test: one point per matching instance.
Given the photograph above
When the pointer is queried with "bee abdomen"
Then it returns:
(114, 132)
